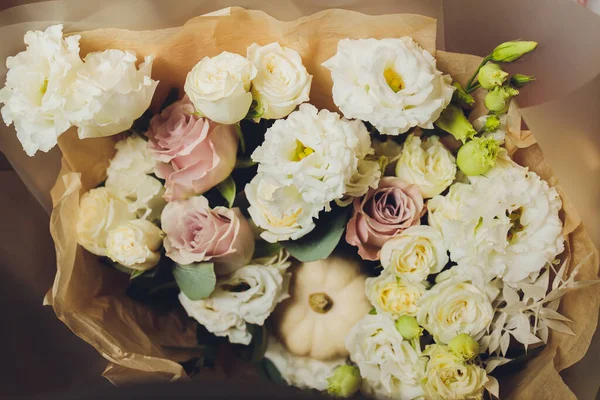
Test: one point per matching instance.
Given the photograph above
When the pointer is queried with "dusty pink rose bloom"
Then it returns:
(383, 213)
(195, 153)
(197, 233)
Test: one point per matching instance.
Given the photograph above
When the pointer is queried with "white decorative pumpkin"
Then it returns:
(327, 300)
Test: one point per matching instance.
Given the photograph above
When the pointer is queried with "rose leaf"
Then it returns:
(196, 281)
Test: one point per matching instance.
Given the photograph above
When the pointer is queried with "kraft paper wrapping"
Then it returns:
(90, 298)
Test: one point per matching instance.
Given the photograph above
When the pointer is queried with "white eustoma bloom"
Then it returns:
(394, 296)
(133, 156)
(392, 83)
(38, 85)
(135, 244)
(368, 172)
(280, 211)
(301, 372)
(316, 151)
(281, 82)
(428, 164)
(110, 93)
(452, 307)
(391, 367)
(219, 87)
(442, 209)
(100, 211)
(415, 253)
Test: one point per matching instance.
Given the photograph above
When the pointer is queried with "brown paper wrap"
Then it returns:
(90, 298)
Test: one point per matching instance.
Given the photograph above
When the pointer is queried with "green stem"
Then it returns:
(470, 83)
(474, 88)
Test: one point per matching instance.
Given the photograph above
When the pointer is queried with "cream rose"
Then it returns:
(282, 82)
(135, 244)
(426, 164)
(415, 253)
(394, 296)
(453, 307)
(450, 378)
(219, 87)
(100, 211)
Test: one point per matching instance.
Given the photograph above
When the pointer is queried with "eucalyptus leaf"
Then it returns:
(197, 281)
(265, 249)
(238, 130)
(320, 243)
(136, 273)
(241, 163)
(268, 370)
(228, 190)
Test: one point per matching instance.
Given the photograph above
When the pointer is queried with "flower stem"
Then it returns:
(470, 83)
(474, 88)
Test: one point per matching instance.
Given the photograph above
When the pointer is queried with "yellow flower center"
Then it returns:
(515, 220)
(301, 152)
(44, 88)
(393, 79)
(285, 221)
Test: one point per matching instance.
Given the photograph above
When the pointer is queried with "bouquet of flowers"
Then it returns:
(388, 242)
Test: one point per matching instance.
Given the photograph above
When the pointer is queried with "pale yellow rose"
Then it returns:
(394, 296)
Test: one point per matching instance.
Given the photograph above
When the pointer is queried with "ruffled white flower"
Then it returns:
(415, 253)
(394, 296)
(282, 82)
(450, 378)
(280, 211)
(453, 307)
(391, 367)
(38, 85)
(499, 135)
(318, 152)
(110, 93)
(368, 172)
(389, 152)
(301, 372)
(427, 164)
(127, 178)
(135, 244)
(219, 87)
(441, 209)
(100, 211)
(392, 83)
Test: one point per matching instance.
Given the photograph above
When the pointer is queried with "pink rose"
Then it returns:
(195, 153)
(197, 233)
(383, 213)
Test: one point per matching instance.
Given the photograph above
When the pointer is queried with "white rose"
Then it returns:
(427, 164)
(110, 93)
(394, 296)
(135, 244)
(38, 85)
(132, 156)
(449, 378)
(220, 322)
(219, 87)
(281, 83)
(316, 151)
(453, 307)
(415, 253)
(301, 372)
(100, 211)
(392, 83)
(390, 366)
(280, 211)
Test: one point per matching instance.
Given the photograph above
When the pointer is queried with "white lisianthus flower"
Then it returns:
(391, 367)
(316, 151)
(427, 164)
(281, 83)
(219, 87)
(301, 372)
(135, 244)
(100, 211)
(448, 377)
(441, 209)
(394, 296)
(415, 253)
(453, 307)
(110, 93)
(133, 156)
(392, 83)
(280, 211)
(38, 85)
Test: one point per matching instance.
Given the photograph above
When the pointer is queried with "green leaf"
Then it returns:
(244, 163)
(256, 110)
(228, 190)
(196, 281)
(136, 273)
(268, 370)
(259, 342)
(238, 130)
(373, 311)
(265, 249)
(320, 243)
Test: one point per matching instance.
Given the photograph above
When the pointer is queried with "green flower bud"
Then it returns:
(519, 80)
(345, 381)
(453, 121)
(511, 51)
(477, 156)
(492, 123)
(491, 75)
(408, 327)
(462, 97)
(464, 346)
(498, 100)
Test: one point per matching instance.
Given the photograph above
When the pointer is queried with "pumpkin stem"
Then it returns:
(320, 302)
